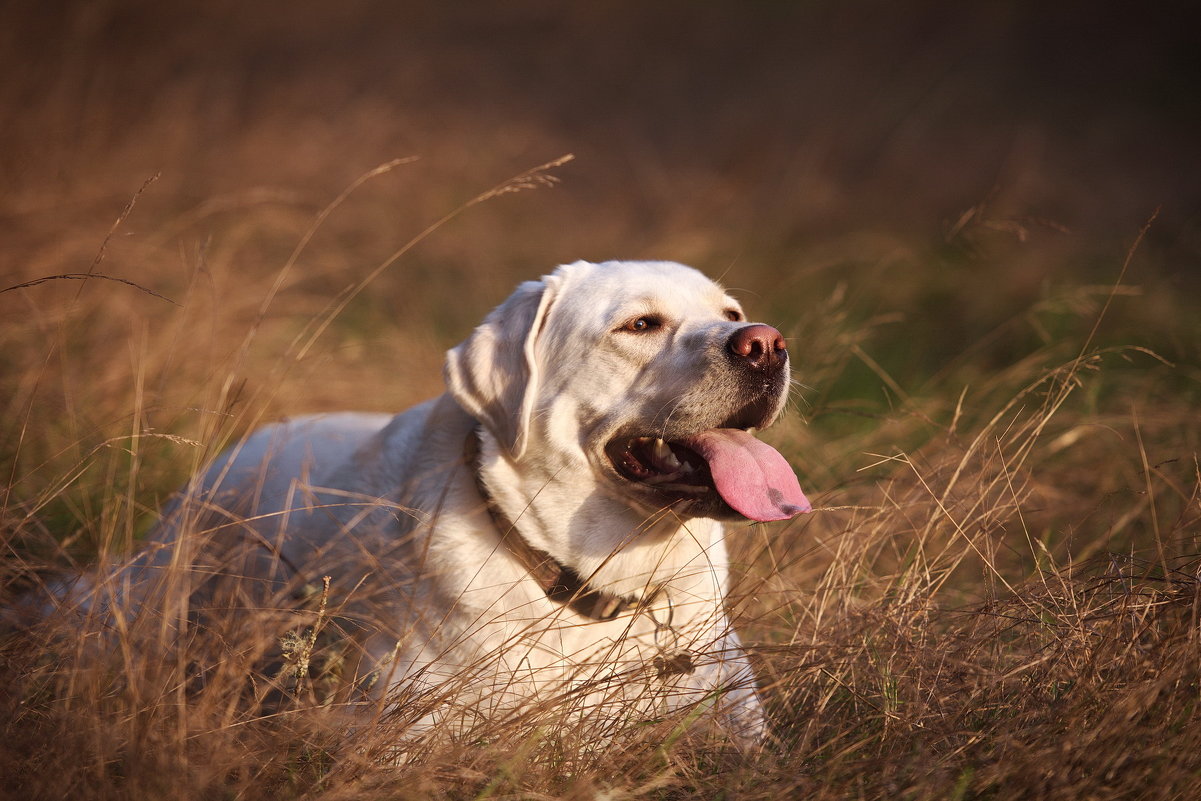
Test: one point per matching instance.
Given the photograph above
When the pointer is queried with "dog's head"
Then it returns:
(648, 375)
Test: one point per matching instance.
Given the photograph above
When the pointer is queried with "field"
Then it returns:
(979, 230)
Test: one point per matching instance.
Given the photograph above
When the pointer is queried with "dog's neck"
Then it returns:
(560, 507)
(560, 582)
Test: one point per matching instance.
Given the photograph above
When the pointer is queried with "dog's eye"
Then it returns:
(733, 315)
(641, 325)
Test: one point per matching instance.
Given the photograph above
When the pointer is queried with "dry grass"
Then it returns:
(1000, 600)
(999, 596)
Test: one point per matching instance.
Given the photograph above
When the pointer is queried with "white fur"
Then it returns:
(389, 508)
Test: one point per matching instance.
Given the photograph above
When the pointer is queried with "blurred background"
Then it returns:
(275, 207)
(920, 194)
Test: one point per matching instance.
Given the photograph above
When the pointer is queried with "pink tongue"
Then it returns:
(751, 476)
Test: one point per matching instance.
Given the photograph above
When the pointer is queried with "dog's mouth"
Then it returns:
(722, 472)
(668, 466)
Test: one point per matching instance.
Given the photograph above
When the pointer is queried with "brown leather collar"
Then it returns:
(561, 583)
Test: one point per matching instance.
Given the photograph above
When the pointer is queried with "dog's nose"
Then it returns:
(759, 345)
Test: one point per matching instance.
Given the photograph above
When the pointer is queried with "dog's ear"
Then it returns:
(494, 373)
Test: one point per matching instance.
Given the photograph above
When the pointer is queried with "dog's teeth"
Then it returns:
(664, 478)
(664, 455)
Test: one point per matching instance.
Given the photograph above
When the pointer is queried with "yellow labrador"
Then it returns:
(552, 524)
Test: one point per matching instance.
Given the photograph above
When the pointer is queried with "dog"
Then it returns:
(551, 526)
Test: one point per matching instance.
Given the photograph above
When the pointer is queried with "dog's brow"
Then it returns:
(646, 304)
